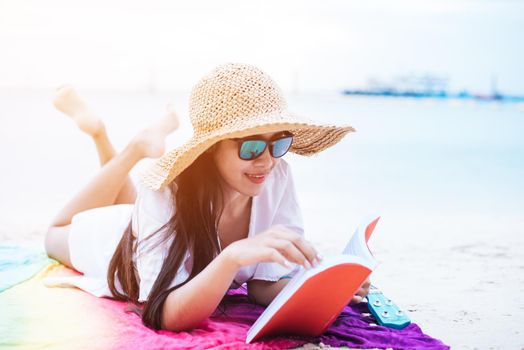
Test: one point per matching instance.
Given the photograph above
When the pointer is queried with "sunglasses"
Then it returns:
(252, 147)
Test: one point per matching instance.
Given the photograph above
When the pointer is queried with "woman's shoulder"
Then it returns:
(152, 201)
(153, 208)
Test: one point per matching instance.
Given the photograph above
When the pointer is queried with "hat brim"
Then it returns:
(309, 138)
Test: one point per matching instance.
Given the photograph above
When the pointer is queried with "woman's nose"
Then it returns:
(265, 159)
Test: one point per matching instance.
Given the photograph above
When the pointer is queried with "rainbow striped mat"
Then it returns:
(33, 316)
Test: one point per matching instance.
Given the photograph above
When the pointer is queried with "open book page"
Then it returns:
(356, 251)
(304, 274)
(358, 243)
(312, 299)
(303, 306)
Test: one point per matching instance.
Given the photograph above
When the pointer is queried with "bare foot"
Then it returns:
(68, 102)
(151, 141)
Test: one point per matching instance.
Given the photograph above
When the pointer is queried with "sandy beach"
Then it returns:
(446, 180)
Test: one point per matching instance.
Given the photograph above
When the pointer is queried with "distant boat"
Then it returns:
(426, 86)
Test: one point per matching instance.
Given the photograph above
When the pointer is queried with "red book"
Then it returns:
(313, 298)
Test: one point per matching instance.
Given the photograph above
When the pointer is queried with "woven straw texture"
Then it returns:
(238, 100)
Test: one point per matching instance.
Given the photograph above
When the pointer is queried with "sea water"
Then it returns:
(411, 161)
(416, 162)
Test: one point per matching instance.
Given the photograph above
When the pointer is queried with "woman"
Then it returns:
(213, 214)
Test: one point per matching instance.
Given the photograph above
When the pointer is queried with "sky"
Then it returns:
(324, 45)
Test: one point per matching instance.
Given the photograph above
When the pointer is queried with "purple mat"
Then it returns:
(351, 329)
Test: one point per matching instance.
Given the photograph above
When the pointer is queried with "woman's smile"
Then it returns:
(257, 178)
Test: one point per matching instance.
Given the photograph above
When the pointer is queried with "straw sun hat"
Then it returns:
(234, 101)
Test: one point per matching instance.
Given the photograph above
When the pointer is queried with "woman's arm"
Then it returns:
(263, 292)
(189, 305)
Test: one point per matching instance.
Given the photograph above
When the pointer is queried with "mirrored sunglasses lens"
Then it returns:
(281, 146)
(251, 149)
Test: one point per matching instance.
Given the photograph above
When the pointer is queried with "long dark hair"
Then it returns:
(199, 205)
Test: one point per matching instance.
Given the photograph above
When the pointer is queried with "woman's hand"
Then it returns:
(361, 292)
(277, 244)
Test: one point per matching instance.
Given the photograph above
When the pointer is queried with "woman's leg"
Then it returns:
(107, 185)
(103, 189)
(100, 191)
(57, 244)
(68, 102)
(106, 152)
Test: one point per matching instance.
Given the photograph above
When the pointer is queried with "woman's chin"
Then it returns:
(247, 188)
(252, 190)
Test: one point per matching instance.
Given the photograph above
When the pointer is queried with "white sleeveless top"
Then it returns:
(95, 233)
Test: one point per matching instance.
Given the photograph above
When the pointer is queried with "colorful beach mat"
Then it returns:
(33, 316)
